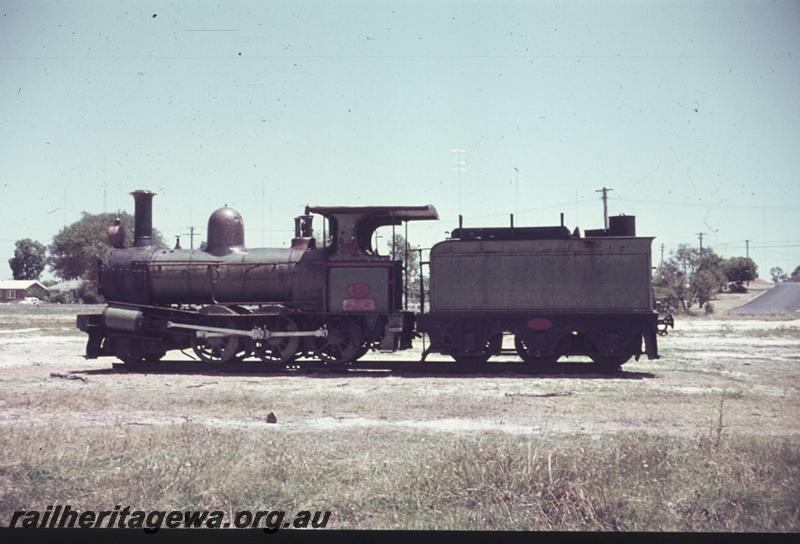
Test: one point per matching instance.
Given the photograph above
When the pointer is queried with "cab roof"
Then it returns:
(400, 213)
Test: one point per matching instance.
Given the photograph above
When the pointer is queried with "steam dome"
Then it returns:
(225, 231)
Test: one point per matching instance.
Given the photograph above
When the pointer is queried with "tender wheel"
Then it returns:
(526, 352)
(610, 364)
(279, 350)
(342, 345)
(476, 358)
(217, 349)
(470, 359)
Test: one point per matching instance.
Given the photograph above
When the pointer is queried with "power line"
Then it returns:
(526, 210)
(708, 204)
(402, 57)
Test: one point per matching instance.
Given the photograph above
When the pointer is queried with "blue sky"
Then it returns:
(690, 111)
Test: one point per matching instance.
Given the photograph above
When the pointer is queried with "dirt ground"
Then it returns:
(747, 370)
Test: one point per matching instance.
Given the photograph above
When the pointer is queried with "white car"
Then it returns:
(30, 300)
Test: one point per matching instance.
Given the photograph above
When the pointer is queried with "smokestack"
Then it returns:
(143, 218)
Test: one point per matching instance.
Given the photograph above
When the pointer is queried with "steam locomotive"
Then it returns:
(557, 292)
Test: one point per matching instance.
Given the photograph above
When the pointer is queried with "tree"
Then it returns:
(690, 276)
(397, 247)
(29, 259)
(77, 248)
(704, 285)
(670, 287)
(777, 274)
(739, 270)
(686, 257)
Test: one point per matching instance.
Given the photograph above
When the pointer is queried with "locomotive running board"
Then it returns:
(255, 334)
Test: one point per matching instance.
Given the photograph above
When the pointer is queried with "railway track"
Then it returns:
(373, 368)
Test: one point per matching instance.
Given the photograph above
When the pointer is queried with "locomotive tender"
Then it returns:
(557, 293)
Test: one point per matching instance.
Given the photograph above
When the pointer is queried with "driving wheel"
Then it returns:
(217, 349)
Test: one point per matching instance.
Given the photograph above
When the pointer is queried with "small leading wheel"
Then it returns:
(217, 349)
(529, 354)
(343, 344)
(278, 349)
(130, 357)
(154, 357)
(134, 356)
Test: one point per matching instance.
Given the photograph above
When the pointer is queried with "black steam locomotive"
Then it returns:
(557, 293)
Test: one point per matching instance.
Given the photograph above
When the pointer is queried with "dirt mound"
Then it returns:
(784, 298)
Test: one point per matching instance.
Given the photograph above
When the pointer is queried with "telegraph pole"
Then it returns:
(662, 254)
(747, 248)
(700, 237)
(605, 191)
(191, 236)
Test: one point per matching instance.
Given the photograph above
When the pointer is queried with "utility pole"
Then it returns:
(460, 166)
(605, 191)
(747, 248)
(105, 186)
(700, 237)
(662, 254)
(516, 190)
(191, 236)
(263, 222)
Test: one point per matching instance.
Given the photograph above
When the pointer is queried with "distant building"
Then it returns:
(66, 291)
(16, 290)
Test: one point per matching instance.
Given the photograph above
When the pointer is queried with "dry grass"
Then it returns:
(49, 319)
(390, 479)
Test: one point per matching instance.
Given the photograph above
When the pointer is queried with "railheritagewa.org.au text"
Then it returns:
(63, 516)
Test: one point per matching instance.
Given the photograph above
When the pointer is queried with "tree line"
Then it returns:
(693, 277)
(74, 252)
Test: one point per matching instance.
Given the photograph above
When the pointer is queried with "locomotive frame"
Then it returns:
(334, 303)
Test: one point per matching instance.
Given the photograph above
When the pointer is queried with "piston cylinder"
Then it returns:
(122, 319)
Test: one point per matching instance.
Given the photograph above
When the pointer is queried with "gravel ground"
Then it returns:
(747, 368)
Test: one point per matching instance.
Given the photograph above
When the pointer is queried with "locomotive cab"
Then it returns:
(359, 280)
